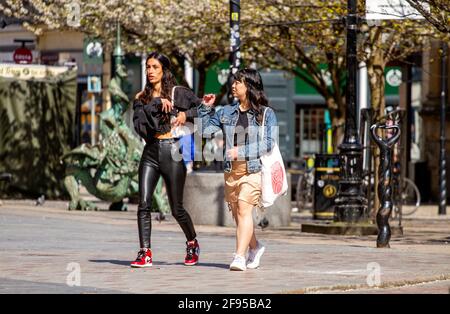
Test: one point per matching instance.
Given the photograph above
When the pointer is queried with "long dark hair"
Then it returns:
(168, 80)
(255, 90)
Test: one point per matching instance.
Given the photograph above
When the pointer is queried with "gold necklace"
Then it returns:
(242, 108)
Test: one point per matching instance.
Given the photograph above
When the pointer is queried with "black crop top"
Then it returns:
(149, 119)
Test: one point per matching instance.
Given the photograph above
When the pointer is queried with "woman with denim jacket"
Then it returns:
(245, 142)
(156, 115)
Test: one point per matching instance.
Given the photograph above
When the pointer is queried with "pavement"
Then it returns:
(47, 249)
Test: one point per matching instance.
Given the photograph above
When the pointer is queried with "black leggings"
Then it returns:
(157, 161)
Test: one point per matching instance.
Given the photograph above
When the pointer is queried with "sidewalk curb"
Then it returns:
(384, 285)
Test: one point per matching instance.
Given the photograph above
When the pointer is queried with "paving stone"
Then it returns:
(44, 241)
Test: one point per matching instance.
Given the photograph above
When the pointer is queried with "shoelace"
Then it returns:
(189, 253)
(252, 254)
(141, 254)
(238, 258)
(190, 250)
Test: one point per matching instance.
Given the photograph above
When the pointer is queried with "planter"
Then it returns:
(205, 201)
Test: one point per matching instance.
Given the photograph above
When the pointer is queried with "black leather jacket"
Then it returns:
(149, 119)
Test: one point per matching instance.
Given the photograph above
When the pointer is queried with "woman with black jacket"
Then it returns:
(158, 110)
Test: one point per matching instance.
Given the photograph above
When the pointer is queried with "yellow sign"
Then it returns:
(310, 162)
(328, 169)
(329, 141)
(235, 16)
(329, 191)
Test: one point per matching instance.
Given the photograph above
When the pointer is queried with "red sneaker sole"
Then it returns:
(141, 266)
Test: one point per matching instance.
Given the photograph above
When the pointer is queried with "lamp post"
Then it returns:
(118, 52)
(235, 41)
(442, 162)
(351, 202)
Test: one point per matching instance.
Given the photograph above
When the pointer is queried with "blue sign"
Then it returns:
(94, 84)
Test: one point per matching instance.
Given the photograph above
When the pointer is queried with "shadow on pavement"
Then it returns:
(127, 263)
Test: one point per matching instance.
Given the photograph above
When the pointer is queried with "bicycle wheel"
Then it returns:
(410, 197)
(303, 194)
(368, 189)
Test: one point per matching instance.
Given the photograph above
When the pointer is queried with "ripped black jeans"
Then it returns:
(157, 161)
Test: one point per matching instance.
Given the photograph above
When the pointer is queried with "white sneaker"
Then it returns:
(238, 263)
(254, 255)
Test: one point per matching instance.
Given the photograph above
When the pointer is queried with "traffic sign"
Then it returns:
(23, 55)
(94, 84)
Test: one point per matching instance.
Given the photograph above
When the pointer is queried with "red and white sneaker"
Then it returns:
(144, 259)
(192, 253)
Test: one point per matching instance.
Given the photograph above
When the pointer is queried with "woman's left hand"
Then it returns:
(180, 119)
(232, 153)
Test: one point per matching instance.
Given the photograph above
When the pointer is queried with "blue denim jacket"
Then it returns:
(260, 139)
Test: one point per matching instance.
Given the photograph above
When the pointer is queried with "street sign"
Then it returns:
(391, 10)
(22, 55)
(29, 71)
(94, 84)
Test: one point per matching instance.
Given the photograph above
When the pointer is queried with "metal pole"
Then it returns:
(235, 41)
(363, 101)
(143, 71)
(385, 191)
(442, 161)
(351, 132)
(189, 73)
(351, 202)
(93, 128)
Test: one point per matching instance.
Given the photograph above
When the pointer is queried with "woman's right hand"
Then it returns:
(167, 106)
(209, 100)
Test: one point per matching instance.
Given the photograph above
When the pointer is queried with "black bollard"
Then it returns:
(385, 178)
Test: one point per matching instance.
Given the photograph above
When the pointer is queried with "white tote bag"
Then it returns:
(273, 174)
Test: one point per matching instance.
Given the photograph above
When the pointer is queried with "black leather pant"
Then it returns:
(157, 161)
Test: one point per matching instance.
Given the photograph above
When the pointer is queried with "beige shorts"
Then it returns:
(241, 185)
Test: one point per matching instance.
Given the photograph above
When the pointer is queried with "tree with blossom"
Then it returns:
(189, 29)
(437, 12)
(297, 36)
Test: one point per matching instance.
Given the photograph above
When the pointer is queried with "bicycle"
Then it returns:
(304, 193)
(405, 192)
(406, 198)
(406, 195)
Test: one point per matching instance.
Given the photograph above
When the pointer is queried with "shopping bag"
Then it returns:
(273, 175)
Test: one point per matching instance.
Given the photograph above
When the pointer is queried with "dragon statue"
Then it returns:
(109, 169)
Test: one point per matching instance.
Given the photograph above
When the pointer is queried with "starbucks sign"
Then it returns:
(394, 77)
(92, 51)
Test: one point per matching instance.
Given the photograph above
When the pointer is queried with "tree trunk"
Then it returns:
(201, 80)
(337, 115)
(223, 91)
(375, 70)
(178, 68)
(338, 135)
